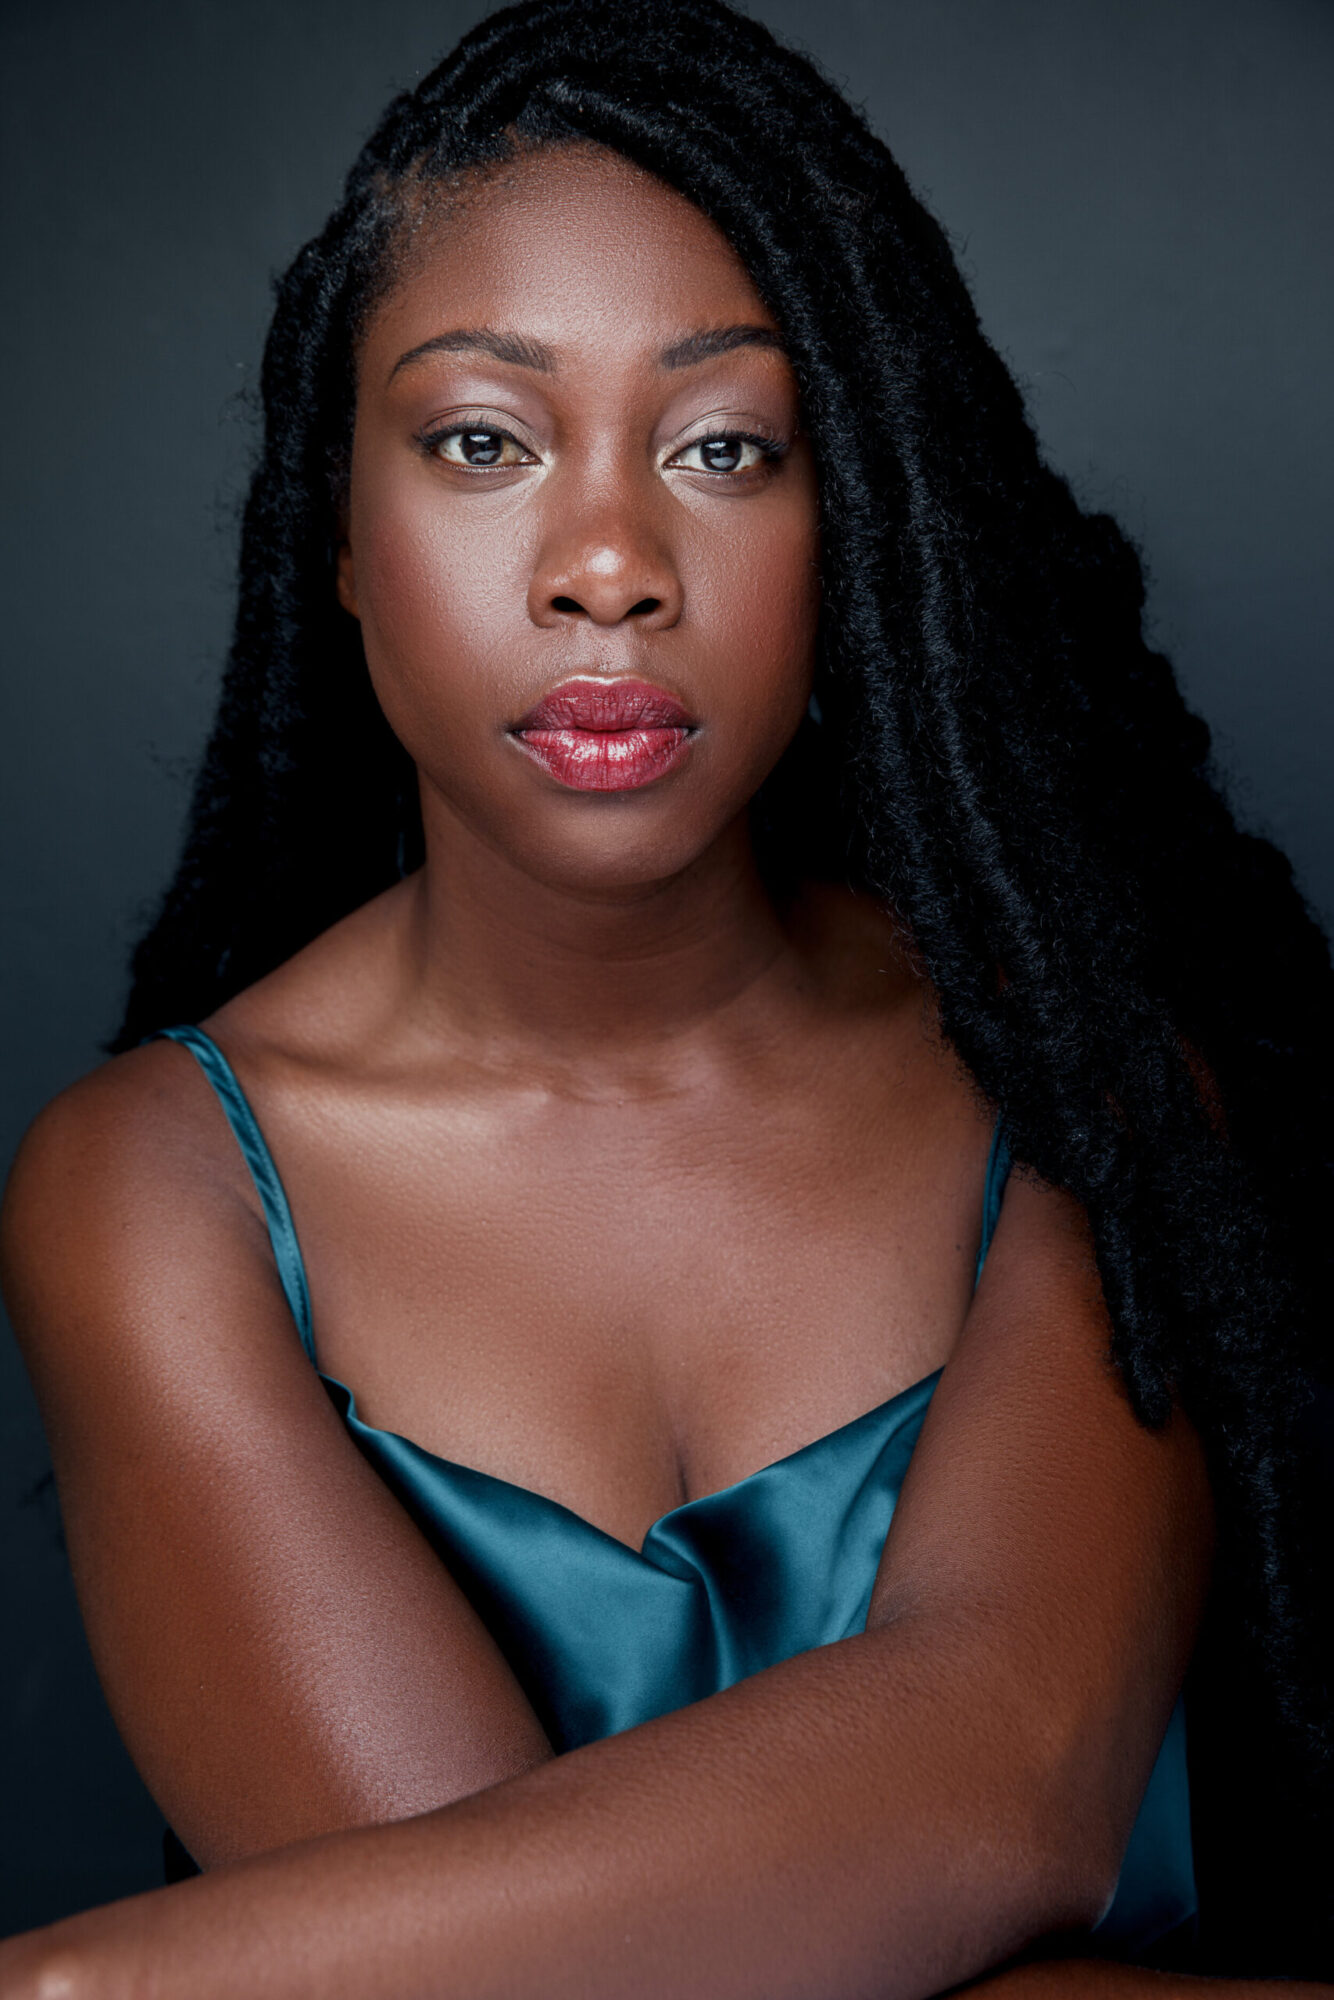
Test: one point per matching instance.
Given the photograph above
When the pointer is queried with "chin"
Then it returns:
(610, 846)
(612, 872)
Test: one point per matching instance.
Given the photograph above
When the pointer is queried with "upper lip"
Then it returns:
(603, 706)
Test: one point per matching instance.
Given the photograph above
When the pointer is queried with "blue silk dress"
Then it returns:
(602, 1637)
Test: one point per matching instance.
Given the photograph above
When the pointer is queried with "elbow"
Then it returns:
(1075, 1867)
(1065, 1846)
(1045, 1860)
(1060, 1817)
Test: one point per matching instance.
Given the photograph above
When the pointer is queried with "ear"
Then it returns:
(347, 582)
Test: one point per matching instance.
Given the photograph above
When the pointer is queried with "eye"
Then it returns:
(729, 452)
(478, 445)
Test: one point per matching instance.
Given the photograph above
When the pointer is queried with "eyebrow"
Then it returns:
(520, 352)
(697, 347)
(514, 348)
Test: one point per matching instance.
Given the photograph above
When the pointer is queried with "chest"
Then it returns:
(626, 1304)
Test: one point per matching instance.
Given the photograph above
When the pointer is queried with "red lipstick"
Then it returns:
(606, 736)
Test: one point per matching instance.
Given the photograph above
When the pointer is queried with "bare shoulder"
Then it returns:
(136, 1163)
(138, 1124)
(128, 1186)
(128, 1108)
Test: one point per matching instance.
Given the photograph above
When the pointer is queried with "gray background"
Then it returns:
(1141, 193)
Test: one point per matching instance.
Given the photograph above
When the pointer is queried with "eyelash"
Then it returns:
(771, 449)
(432, 440)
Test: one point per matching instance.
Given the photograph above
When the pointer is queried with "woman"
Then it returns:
(690, 801)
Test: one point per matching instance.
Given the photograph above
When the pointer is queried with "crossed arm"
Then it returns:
(885, 1817)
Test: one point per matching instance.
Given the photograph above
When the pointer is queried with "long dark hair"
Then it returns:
(1130, 978)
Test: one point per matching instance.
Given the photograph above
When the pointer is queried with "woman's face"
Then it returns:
(581, 534)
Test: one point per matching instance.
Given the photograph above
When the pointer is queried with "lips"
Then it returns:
(606, 736)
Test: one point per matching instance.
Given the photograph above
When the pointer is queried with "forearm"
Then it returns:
(839, 1824)
(1096, 1979)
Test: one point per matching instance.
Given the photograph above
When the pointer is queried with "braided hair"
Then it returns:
(1129, 978)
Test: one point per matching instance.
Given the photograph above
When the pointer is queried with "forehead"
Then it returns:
(575, 247)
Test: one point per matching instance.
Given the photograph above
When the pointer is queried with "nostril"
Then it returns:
(570, 607)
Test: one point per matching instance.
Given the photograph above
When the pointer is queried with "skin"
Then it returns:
(537, 1109)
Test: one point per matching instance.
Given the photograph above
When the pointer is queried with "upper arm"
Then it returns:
(1065, 1545)
(281, 1649)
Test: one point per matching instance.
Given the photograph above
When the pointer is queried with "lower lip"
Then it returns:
(606, 760)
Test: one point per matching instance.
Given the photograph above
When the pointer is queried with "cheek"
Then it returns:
(758, 590)
(439, 600)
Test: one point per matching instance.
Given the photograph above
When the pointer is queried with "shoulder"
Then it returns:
(130, 1222)
(126, 1195)
(131, 1179)
(135, 1123)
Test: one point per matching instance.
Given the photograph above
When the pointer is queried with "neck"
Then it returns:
(496, 956)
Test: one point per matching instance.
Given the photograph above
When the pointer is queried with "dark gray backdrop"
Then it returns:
(1141, 192)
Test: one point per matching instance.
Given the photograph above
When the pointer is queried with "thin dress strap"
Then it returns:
(999, 1161)
(255, 1152)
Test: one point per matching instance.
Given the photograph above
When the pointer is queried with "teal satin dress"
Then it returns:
(602, 1636)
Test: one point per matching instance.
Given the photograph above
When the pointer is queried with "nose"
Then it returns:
(604, 568)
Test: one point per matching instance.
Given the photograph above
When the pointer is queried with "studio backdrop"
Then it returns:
(1141, 191)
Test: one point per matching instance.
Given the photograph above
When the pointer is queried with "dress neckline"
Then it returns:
(919, 1392)
(254, 1147)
